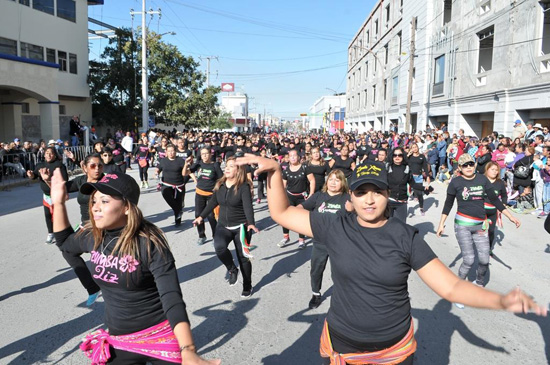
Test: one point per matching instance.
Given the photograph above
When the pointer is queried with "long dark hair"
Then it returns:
(399, 148)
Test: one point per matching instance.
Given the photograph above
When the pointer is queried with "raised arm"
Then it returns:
(293, 218)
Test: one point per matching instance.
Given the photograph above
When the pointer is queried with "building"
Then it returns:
(237, 105)
(43, 67)
(478, 66)
(323, 112)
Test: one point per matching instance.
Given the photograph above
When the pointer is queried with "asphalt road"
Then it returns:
(43, 314)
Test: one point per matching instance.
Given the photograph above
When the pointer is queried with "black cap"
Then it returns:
(371, 172)
(115, 184)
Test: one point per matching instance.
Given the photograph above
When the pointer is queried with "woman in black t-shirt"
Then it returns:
(492, 172)
(232, 194)
(135, 269)
(296, 179)
(419, 169)
(173, 186)
(109, 165)
(371, 258)
(343, 162)
(318, 167)
(142, 153)
(330, 200)
(206, 173)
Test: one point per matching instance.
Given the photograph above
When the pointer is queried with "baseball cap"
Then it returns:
(371, 172)
(464, 158)
(16, 140)
(517, 121)
(51, 141)
(115, 184)
(59, 141)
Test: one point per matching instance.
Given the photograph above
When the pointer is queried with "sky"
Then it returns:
(284, 54)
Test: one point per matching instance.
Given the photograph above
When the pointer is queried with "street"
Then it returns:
(43, 313)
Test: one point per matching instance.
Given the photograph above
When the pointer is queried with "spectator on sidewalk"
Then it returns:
(74, 130)
(128, 144)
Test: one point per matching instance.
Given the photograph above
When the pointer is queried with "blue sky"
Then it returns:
(264, 47)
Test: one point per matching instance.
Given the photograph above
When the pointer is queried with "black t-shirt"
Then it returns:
(418, 164)
(207, 174)
(500, 191)
(322, 202)
(370, 269)
(398, 178)
(50, 166)
(470, 196)
(171, 170)
(296, 181)
(161, 153)
(344, 165)
(235, 207)
(141, 151)
(184, 154)
(139, 292)
(118, 153)
(319, 173)
(82, 199)
(273, 148)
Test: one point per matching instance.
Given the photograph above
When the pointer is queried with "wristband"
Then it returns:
(188, 348)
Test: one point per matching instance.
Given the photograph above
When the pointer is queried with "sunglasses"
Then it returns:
(468, 164)
(398, 155)
(95, 166)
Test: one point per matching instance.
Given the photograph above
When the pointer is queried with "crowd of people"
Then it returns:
(349, 192)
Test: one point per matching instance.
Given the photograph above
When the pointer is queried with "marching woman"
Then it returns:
(93, 172)
(262, 178)
(330, 200)
(492, 171)
(173, 186)
(144, 310)
(236, 221)
(295, 180)
(469, 189)
(369, 319)
(419, 168)
(399, 176)
(109, 165)
(44, 172)
(343, 162)
(206, 174)
(318, 167)
(142, 152)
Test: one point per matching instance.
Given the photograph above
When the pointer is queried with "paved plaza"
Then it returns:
(43, 315)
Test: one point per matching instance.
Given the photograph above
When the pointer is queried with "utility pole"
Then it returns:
(144, 78)
(208, 58)
(411, 68)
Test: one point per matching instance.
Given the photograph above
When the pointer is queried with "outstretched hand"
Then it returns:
(518, 302)
(197, 221)
(58, 190)
(252, 227)
(264, 164)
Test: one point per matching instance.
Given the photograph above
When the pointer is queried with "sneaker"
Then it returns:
(159, 187)
(476, 283)
(246, 293)
(422, 213)
(92, 298)
(143, 184)
(542, 214)
(259, 201)
(50, 238)
(201, 241)
(459, 306)
(285, 241)
(315, 301)
(146, 185)
(536, 212)
(177, 221)
(233, 276)
(302, 244)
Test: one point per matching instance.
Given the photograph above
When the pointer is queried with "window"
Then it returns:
(374, 95)
(366, 98)
(62, 110)
(376, 29)
(385, 89)
(31, 51)
(358, 106)
(386, 53)
(375, 64)
(366, 70)
(484, 6)
(43, 5)
(50, 55)
(72, 63)
(62, 60)
(447, 11)
(486, 40)
(439, 76)
(388, 13)
(401, 7)
(358, 76)
(25, 108)
(394, 90)
(367, 39)
(545, 28)
(25, 2)
(8, 46)
(399, 44)
(66, 9)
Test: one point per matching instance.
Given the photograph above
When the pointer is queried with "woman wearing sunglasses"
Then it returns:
(471, 223)
(109, 165)
(399, 176)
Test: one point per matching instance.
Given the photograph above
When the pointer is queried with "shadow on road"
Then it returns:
(435, 329)
(199, 268)
(544, 325)
(66, 275)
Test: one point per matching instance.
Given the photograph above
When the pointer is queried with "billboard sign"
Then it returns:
(228, 86)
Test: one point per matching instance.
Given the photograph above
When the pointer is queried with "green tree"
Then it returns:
(177, 92)
(221, 121)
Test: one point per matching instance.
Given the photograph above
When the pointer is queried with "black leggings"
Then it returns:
(81, 271)
(319, 258)
(492, 228)
(49, 219)
(120, 357)
(143, 176)
(175, 202)
(294, 201)
(200, 204)
(419, 194)
(262, 179)
(222, 238)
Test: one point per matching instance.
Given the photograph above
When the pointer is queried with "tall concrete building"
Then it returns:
(478, 65)
(43, 67)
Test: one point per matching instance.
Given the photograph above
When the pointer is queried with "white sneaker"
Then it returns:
(146, 185)
(49, 239)
(302, 244)
(459, 306)
(480, 285)
(285, 241)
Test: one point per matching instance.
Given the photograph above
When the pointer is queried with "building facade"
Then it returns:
(237, 105)
(43, 67)
(478, 66)
(325, 112)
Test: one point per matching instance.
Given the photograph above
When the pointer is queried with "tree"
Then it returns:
(221, 121)
(177, 92)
